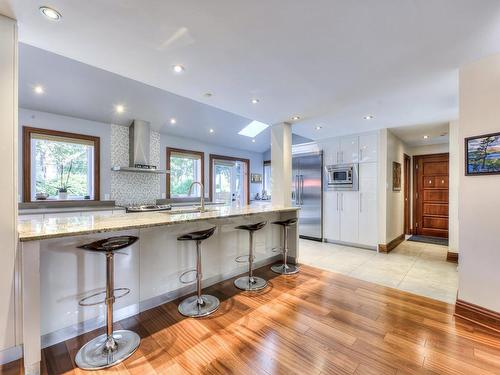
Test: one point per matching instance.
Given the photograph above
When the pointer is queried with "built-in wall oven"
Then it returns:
(342, 176)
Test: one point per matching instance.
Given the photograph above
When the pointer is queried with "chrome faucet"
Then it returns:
(202, 194)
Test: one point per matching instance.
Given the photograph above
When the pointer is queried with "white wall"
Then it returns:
(396, 149)
(52, 121)
(46, 120)
(454, 177)
(167, 140)
(8, 187)
(430, 149)
(479, 196)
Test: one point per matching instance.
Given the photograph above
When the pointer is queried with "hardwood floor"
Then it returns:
(315, 322)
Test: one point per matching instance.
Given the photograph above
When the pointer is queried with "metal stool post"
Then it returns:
(284, 268)
(112, 347)
(201, 304)
(250, 282)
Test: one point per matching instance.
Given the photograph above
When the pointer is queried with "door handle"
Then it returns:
(302, 189)
(338, 201)
(297, 192)
(360, 202)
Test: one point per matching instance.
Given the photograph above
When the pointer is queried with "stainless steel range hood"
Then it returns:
(139, 150)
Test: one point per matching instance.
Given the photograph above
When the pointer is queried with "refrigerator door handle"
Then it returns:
(301, 189)
(296, 189)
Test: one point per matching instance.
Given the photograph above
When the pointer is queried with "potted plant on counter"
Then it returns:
(62, 190)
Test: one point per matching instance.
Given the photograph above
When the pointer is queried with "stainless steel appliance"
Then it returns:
(307, 193)
(149, 208)
(342, 176)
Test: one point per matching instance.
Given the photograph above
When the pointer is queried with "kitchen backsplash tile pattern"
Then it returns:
(128, 188)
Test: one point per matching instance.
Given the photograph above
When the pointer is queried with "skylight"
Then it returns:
(252, 129)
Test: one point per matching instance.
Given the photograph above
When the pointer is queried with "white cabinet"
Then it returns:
(368, 215)
(341, 216)
(331, 216)
(331, 151)
(349, 150)
(368, 148)
(349, 216)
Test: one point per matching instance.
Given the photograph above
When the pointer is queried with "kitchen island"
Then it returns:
(55, 275)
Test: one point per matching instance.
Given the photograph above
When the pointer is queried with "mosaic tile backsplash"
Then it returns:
(128, 188)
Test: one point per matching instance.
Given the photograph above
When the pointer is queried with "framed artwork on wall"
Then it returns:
(482, 154)
(396, 176)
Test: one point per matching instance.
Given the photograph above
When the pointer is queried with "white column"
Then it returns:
(454, 180)
(8, 187)
(281, 164)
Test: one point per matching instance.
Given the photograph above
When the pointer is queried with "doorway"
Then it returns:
(229, 180)
(430, 198)
(406, 192)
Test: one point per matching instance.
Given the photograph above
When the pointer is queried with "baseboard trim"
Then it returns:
(350, 244)
(479, 315)
(11, 354)
(387, 248)
(452, 257)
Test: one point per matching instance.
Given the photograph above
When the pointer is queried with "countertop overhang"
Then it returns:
(47, 228)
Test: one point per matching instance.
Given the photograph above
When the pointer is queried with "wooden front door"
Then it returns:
(406, 193)
(430, 205)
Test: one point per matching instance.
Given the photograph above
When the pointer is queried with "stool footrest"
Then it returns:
(277, 249)
(83, 302)
(181, 277)
(243, 259)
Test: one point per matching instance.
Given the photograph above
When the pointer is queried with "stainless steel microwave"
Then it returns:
(342, 176)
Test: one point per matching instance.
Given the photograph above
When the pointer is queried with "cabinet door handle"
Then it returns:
(338, 202)
(360, 154)
(360, 202)
(342, 202)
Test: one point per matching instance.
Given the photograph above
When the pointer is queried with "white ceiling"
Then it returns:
(79, 90)
(330, 61)
(414, 135)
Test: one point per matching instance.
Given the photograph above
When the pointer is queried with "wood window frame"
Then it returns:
(28, 131)
(171, 150)
(230, 158)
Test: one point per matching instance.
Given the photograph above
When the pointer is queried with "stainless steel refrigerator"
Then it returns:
(307, 193)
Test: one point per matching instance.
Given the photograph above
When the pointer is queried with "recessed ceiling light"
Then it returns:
(119, 108)
(426, 137)
(255, 101)
(173, 121)
(252, 129)
(295, 118)
(38, 89)
(318, 127)
(207, 95)
(369, 117)
(178, 68)
(211, 131)
(253, 140)
(50, 13)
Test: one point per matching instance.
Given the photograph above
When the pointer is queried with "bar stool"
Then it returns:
(112, 347)
(250, 282)
(201, 304)
(284, 268)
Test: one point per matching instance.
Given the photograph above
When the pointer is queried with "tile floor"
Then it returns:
(413, 266)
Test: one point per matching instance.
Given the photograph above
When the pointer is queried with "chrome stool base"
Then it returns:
(93, 356)
(191, 308)
(244, 283)
(288, 269)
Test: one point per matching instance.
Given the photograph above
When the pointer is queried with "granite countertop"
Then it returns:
(40, 229)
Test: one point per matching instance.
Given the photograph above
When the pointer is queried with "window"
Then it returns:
(185, 168)
(229, 180)
(267, 177)
(60, 165)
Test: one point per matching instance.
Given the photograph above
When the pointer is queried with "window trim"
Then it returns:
(28, 131)
(213, 157)
(171, 150)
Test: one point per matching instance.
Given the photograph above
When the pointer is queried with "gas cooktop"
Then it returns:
(149, 208)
